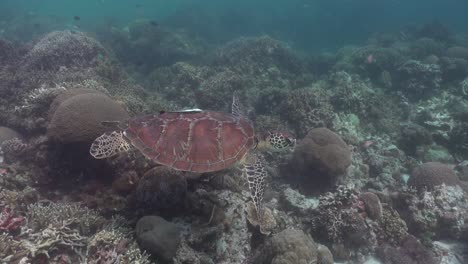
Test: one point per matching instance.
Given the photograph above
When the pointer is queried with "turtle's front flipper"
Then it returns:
(255, 174)
(108, 145)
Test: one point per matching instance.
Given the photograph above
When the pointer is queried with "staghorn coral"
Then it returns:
(114, 246)
(82, 219)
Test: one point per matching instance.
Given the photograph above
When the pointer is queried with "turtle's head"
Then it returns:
(276, 140)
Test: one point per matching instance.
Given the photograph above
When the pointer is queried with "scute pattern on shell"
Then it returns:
(198, 142)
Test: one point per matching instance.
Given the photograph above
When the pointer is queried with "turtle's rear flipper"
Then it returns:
(108, 145)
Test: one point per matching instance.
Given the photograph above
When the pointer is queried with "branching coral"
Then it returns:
(391, 229)
(63, 49)
(39, 99)
(13, 148)
(418, 80)
(434, 114)
(114, 246)
(438, 213)
(328, 223)
(9, 222)
(307, 108)
(350, 93)
(58, 214)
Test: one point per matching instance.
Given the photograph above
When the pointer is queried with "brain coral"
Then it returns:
(322, 153)
(79, 119)
(431, 174)
(65, 95)
(288, 247)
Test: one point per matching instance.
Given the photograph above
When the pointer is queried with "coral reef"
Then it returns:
(366, 116)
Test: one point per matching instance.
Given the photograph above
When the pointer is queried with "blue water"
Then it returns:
(309, 25)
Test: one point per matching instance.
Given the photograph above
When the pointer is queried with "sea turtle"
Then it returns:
(197, 141)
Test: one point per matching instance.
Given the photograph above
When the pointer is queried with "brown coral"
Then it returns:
(322, 155)
(65, 95)
(372, 205)
(79, 119)
(162, 188)
(288, 247)
(432, 174)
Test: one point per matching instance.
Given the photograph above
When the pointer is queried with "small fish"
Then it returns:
(77, 18)
(154, 23)
(370, 59)
(367, 144)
